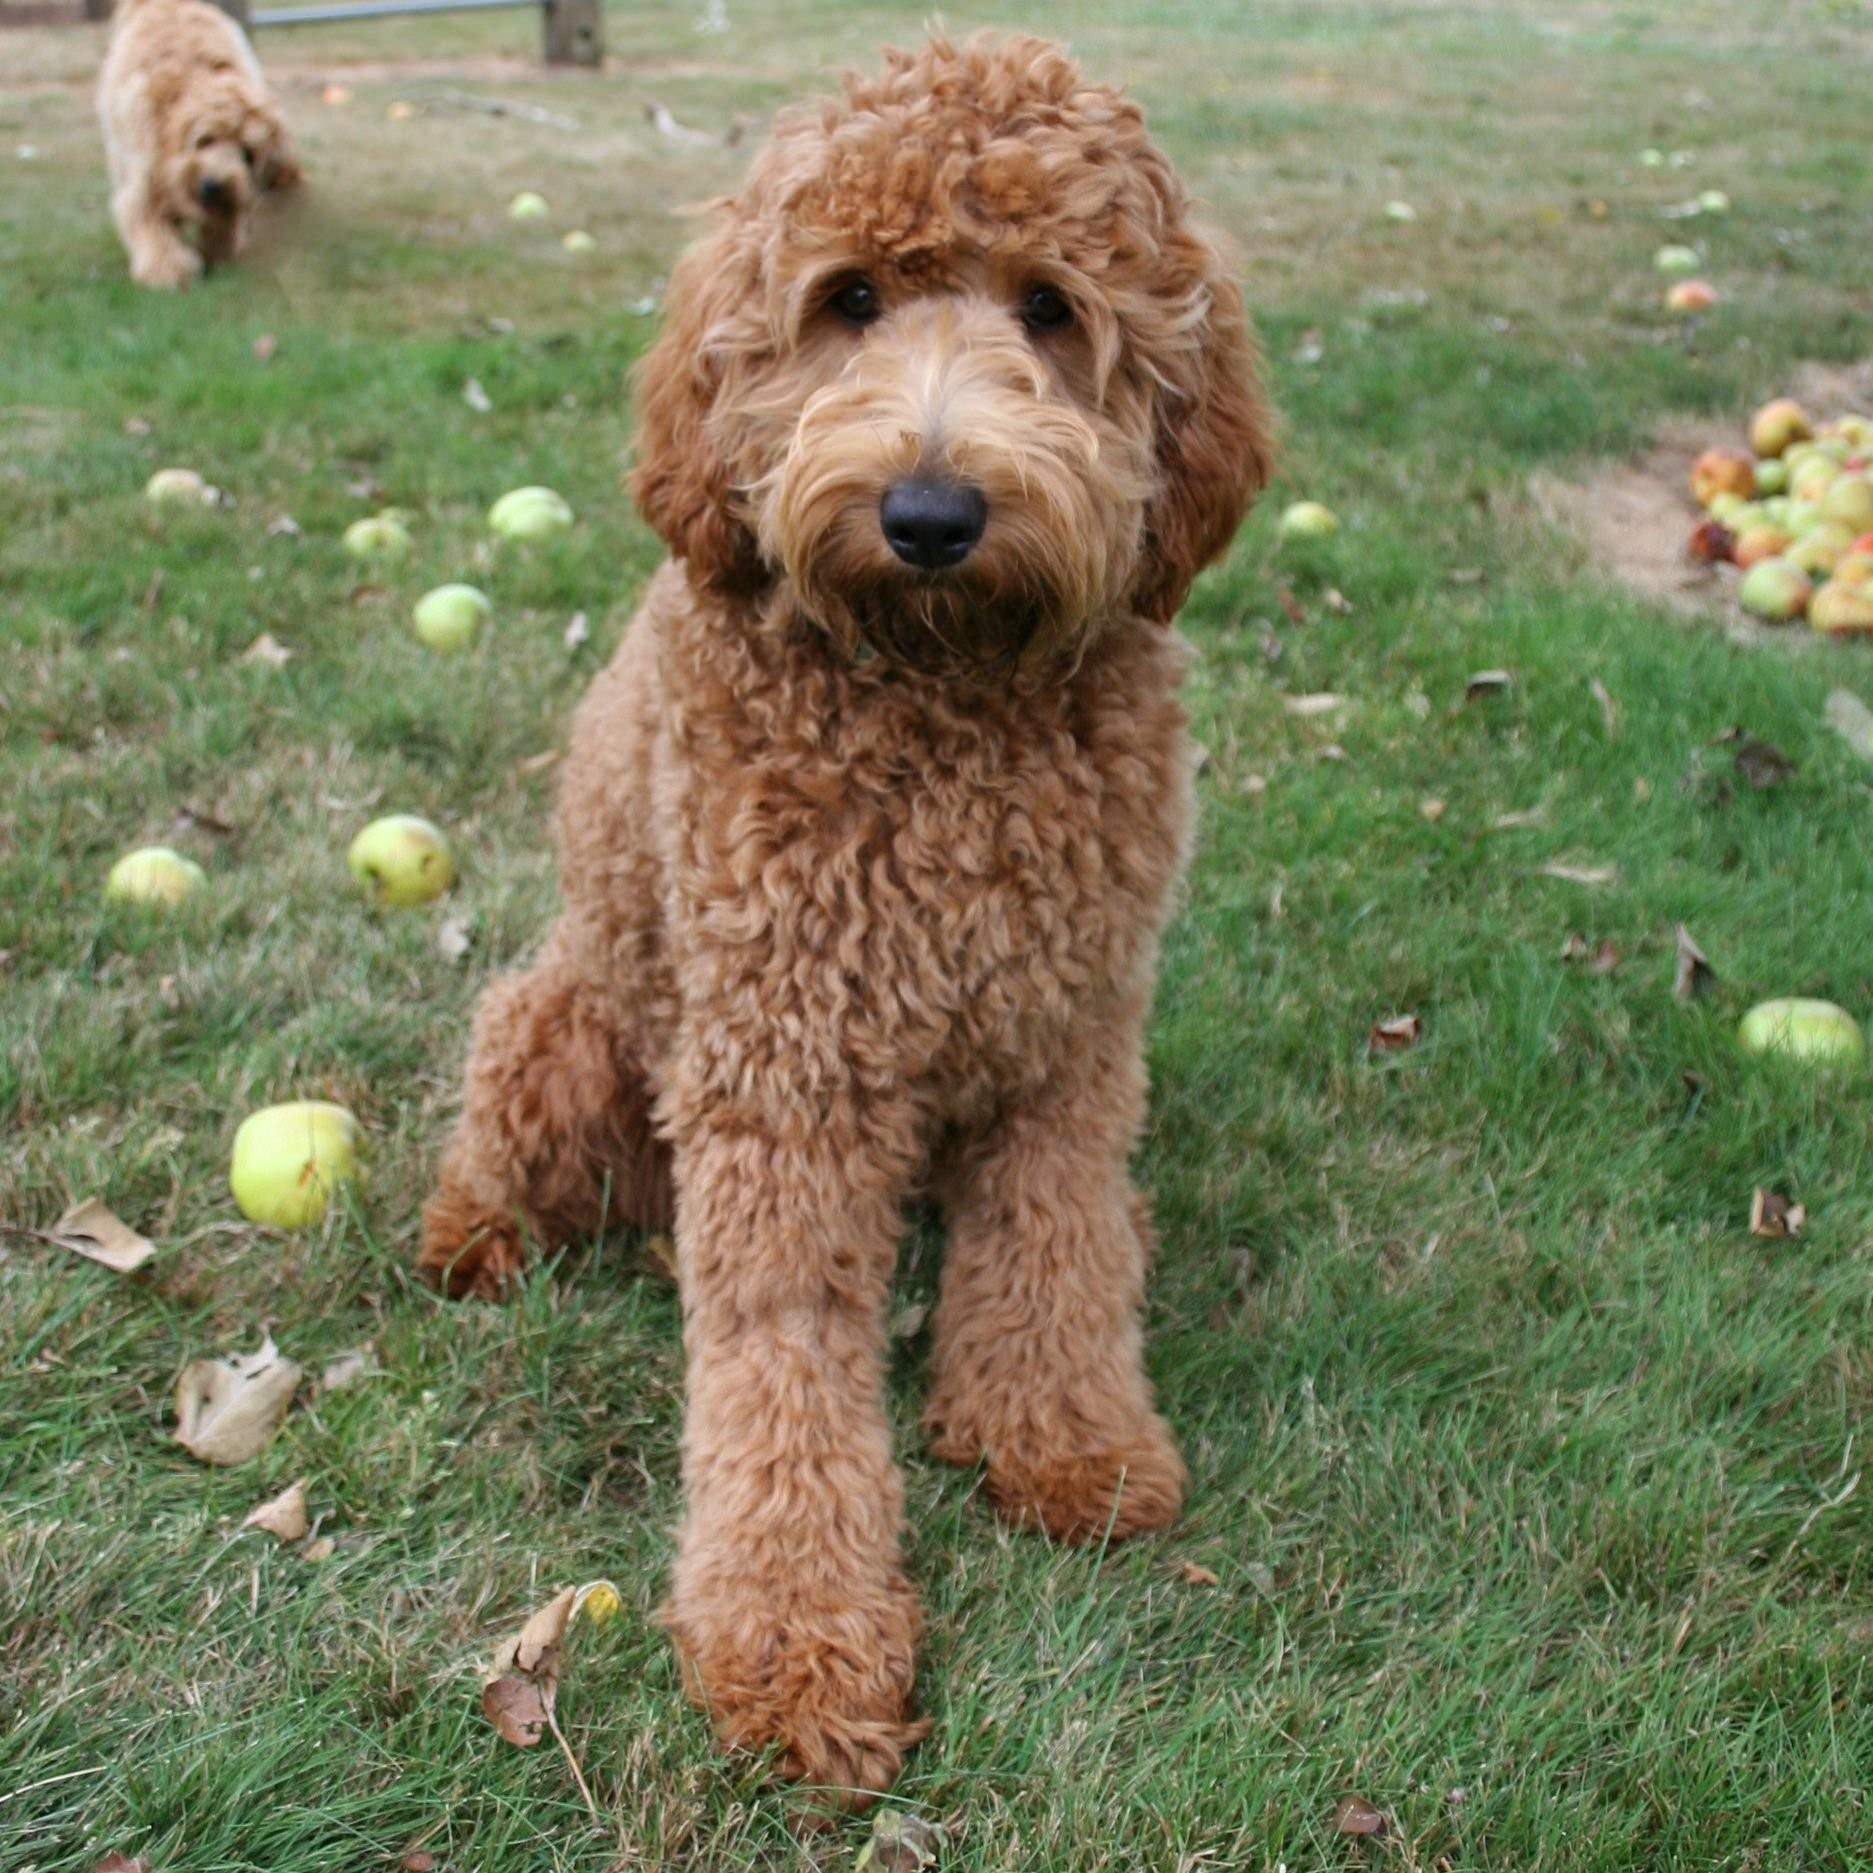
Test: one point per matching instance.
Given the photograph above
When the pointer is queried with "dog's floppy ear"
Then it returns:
(1215, 449)
(270, 151)
(682, 482)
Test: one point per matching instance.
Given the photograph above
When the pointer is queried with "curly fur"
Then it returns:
(192, 137)
(865, 869)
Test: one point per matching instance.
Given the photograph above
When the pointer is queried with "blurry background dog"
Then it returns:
(192, 135)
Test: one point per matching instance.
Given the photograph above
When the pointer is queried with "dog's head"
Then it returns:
(230, 148)
(955, 367)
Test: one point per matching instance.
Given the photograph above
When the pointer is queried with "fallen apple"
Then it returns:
(1842, 610)
(1400, 211)
(1691, 296)
(1714, 202)
(578, 242)
(1775, 590)
(1722, 471)
(382, 536)
(1777, 425)
(154, 875)
(451, 617)
(401, 860)
(1850, 502)
(527, 206)
(1855, 566)
(1771, 475)
(1820, 550)
(1801, 517)
(1307, 520)
(177, 487)
(529, 514)
(1811, 481)
(1676, 258)
(1710, 542)
(1755, 544)
(290, 1160)
(1652, 159)
(1734, 511)
(1803, 1030)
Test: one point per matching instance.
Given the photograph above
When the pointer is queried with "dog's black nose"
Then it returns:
(932, 524)
(216, 195)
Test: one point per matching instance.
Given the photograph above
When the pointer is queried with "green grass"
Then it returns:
(1523, 1468)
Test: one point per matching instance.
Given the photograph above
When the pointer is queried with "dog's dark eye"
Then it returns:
(1045, 310)
(856, 301)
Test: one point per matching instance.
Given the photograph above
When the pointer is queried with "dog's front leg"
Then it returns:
(1038, 1359)
(789, 1605)
(159, 256)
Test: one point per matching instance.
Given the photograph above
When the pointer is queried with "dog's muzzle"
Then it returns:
(216, 196)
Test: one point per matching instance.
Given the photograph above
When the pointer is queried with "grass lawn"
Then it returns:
(1524, 1472)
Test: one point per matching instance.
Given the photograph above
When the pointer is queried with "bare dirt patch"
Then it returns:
(1634, 516)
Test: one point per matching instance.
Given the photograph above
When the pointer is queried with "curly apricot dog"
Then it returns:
(868, 835)
(191, 134)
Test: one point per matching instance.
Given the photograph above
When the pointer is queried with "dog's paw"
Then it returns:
(166, 268)
(827, 1688)
(468, 1253)
(1128, 1487)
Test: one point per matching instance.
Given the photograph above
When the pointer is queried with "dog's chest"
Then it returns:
(932, 885)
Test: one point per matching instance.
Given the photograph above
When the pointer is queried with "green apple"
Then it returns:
(1771, 475)
(177, 487)
(451, 617)
(290, 1160)
(1812, 479)
(1842, 608)
(578, 242)
(1801, 516)
(1652, 159)
(1755, 544)
(154, 875)
(1803, 1030)
(1820, 549)
(401, 860)
(527, 206)
(1850, 502)
(382, 536)
(1714, 202)
(1778, 425)
(1775, 590)
(529, 514)
(1676, 258)
(1307, 520)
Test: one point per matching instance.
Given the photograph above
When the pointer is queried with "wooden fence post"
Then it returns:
(575, 32)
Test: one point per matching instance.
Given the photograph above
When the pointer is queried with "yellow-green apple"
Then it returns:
(529, 514)
(1777, 425)
(290, 1160)
(177, 487)
(1307, 520)
(1842, 610)
(527, 206)
(1676, 259)
(1771, 475)
(1722, 471)
(1755, 544)
(1822, 1032)
(450, 618)
(1850, 502)
(1820, 550)
(1775, 590)
(154, 874)
(382, 536)
(401, 860)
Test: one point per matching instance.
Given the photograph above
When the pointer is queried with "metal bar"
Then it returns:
(379, 9)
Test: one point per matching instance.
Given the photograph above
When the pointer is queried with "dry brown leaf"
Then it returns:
(1775, 1218)
(417, 1860)
(268, 651)
(536, 763)
(342, 1370)
(1290, 606)
(1336, 601)
(1574, 949)
(1609, 709)
(1432, 810)
(1322, 702)
(901, 1842)
(319, 1548)
(1694, 975)
(1196, 1575)
(264, 348)
(1357, 1817)
(284, 1517)
(1515, 822)
(228, 1410)
(455, 937)
(1590, 875)
(285, 527)
(1763, 765)
(1852, 720)
(1605, 959)
(660, 1251)
(121, 1863)
(90, 1230)
(1487, 683)
(1395, 1035)
(518, 1694)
